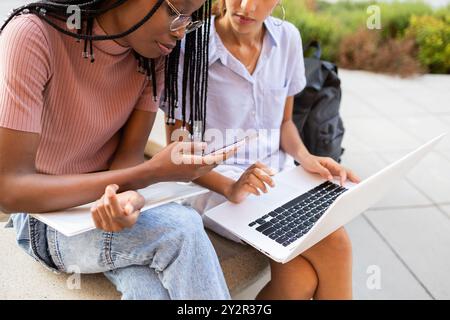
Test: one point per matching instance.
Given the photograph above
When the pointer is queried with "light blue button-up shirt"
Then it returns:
(240, 102)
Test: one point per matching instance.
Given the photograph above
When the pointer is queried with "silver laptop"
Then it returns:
(304, 208)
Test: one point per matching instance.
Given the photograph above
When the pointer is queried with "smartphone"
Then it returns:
(231, 146)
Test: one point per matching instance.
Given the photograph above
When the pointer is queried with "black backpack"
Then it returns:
(316, 108)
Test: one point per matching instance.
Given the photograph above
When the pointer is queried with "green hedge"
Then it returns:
(331, 23)
(433, 37)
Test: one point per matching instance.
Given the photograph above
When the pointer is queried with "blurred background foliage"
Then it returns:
(414, 37)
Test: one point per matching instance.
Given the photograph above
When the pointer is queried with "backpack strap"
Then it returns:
(318, 50)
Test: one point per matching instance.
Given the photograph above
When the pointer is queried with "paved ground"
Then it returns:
(407, 234)
(405, 238)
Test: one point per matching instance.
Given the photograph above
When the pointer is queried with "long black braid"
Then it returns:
(195, 69)
(195, 77)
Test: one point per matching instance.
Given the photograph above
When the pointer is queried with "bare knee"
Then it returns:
(297, 279)
(338, 242)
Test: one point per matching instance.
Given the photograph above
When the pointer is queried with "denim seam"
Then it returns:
(56, 256)
(129, 256)
(34, 238)
(107, 249)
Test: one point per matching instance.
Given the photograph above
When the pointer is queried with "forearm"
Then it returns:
(31, 192)
(291, 142)
(216, 182)
(123, 162)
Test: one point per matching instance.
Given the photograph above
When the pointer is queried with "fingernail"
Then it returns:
(109, 190)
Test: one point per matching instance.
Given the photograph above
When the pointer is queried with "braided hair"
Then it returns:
(195, 69)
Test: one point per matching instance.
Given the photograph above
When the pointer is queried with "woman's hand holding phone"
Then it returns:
(184, 162)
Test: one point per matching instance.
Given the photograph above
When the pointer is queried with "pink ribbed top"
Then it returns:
(77, 107)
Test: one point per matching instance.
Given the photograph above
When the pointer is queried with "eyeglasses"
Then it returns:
(183, 21)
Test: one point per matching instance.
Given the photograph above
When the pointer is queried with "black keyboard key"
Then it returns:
(282, 239)
(295, 201)
(279, 210)
(278, 225)
(286, 243)
(273, 236)
(292, 225)
(273, 214)
(251, 224)
(290, 234)
(269, 231)
(265, 217)
(261, 221)
(264, 226)
(297, 230)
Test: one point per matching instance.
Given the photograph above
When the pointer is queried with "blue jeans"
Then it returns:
(166, 255)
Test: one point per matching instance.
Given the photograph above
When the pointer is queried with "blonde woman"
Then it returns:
(256, 68)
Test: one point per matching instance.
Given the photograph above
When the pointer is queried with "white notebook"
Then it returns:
(77, 220)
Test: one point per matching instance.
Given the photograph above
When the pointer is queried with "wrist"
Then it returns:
(301, 155)
(228, 189)
(148, 173)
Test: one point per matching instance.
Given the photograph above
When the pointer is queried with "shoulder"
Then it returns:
(26, 27)
(285, 32)
(24, 43)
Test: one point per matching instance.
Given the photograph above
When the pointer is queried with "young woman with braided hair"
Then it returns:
(75, 115)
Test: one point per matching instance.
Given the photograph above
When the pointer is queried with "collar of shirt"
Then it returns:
(218, 51)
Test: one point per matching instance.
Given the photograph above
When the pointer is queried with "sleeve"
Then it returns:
(146, 102)
(24, 72)
(297, 80)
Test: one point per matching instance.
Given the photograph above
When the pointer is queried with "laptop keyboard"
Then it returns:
(295, 218)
